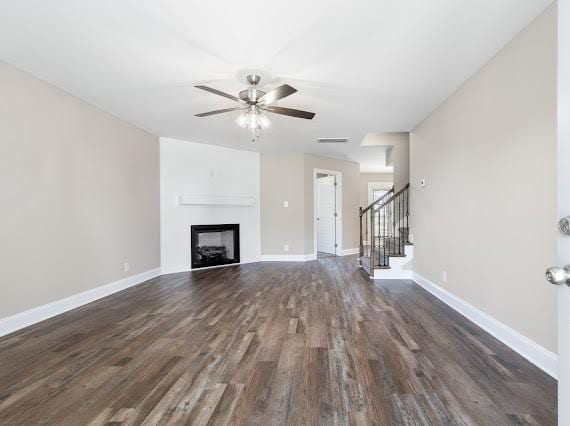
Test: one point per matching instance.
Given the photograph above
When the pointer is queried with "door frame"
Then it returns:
(563, 209)
(338, 202)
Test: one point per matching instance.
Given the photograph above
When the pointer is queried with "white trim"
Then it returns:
(32, 316)
(392, 273)
(287, 257)
(215, 200)
(532, 351)
(338, 192)
(348, 252)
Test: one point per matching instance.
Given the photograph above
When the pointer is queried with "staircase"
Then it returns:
(385, 248)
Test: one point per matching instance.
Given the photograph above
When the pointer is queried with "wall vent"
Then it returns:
(332, 140)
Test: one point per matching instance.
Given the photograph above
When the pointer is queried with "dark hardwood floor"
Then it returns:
(268, 343)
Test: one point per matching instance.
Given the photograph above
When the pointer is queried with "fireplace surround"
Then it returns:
(214, 245)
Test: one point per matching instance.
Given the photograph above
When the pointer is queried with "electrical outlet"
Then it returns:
(286, 247)
(127, 266)
(285, 203)
(444, 276)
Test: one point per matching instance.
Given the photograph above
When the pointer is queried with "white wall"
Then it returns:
(188, 168)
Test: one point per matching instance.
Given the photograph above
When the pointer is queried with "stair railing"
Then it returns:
(364, 226)
(388, 232)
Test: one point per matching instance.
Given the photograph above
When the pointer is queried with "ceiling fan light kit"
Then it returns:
(254, 102)
(252, 119)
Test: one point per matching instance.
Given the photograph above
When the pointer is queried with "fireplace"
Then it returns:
(214, 245)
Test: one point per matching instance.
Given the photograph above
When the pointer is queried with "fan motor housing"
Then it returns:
(251, 95)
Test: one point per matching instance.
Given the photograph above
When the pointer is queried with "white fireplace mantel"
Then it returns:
(215, 200)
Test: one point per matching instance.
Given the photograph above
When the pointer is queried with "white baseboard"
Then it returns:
(348, 252)
(302, 257)
(287, 257)
(392, 274)
(165, 270)
(24, 319)
(532, 351)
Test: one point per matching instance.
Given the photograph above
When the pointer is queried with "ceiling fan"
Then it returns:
(254, 102)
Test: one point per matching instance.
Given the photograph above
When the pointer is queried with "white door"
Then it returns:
(326, 219)
(563, 195)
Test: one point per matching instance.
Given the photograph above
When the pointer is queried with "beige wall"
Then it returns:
(487, 214)
(80, 195)
(397, 145)
(282, 180)
(400, 159)
(365, 178)
(289, 177)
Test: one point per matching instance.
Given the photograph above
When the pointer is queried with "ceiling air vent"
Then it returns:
(332, 140)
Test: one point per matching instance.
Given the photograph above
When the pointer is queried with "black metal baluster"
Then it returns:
(366, 225)
(405, 219)
(380, 235)
(372, 241)
(398, 224)
(361, 247)
(380, 254)
(401, 223)
(408, 215)
(393, 228)
(385, 260)
(381, 239)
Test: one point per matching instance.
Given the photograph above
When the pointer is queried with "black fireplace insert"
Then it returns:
(214, 245)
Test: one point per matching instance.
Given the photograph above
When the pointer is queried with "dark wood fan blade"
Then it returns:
(276, 94)
(290, 111)
(218, 111)
(219, 93)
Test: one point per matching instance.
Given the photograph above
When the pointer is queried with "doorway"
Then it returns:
(326, 213)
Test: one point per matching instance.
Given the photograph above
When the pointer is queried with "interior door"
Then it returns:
(563, 195)
(326, 214)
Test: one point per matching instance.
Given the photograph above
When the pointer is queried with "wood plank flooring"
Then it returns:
(266, 344)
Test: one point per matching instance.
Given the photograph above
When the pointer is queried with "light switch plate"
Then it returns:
(285, 203)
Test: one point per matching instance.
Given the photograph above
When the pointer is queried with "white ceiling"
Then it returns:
(362, 66)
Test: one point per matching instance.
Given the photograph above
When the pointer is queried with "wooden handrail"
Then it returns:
(385, 202)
